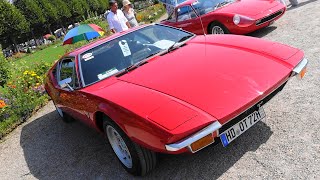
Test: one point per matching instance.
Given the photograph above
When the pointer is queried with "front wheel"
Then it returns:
(217, 28)
(134, 158)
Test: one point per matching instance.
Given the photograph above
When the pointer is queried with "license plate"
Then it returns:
(236, 130)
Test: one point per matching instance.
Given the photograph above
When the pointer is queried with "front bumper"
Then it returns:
(260, 21)
(300, 69)
(195, 137)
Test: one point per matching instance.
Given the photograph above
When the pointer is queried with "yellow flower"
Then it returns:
(38, 77)
(34, 74)
(37, 84)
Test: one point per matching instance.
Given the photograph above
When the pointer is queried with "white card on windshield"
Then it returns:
(107, 73)
(124, 48)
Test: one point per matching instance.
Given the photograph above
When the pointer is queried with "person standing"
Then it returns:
(129, 13)
(116, 19)
(294, 3)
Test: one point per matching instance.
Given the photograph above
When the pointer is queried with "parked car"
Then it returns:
(158, 89)
(225, 16)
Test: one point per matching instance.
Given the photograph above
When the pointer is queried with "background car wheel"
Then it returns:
(65, 117)
(134, 158)
(217, 28)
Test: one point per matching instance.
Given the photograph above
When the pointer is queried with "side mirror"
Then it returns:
(65, 83)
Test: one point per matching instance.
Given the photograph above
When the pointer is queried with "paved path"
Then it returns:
(284, 146)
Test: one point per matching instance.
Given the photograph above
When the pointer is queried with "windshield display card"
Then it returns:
(124, 48)
(107, 73)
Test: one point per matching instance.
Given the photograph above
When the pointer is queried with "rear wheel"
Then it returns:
(134, 158)
(217, 28)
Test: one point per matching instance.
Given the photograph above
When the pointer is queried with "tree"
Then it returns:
(78, 9)
(64, 13)
(93, 5)
(12, 22)
(50, 12)
(103, 6)
(34, 15)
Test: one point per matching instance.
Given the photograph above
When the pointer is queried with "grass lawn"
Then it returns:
(49, 54)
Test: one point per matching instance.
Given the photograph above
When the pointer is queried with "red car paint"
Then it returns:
(211, 78)
(253, 9)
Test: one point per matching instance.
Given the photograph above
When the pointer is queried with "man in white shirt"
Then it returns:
(116, 19)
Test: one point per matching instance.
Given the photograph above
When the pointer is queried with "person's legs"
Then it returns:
(294, 2)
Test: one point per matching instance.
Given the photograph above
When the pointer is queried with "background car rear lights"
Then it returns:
(202, 143)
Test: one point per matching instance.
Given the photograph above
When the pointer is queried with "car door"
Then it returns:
(188, 20)
(71, 100)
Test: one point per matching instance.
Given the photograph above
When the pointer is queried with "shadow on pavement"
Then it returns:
(262, 32)
(55, 150)
(301, 4)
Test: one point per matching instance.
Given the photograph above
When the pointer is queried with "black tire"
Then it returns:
(218, 27)
(143, 160)
(64, 116)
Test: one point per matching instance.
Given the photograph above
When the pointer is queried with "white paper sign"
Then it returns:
(107, 73)
(124, 48)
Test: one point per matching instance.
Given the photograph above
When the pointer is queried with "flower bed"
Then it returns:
(22, 93)
(150, 14)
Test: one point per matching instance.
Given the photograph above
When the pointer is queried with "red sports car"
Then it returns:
(159, 89)
(225, 16)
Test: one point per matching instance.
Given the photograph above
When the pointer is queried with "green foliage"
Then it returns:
(22, 95)
(49, 10)
(32, 11)
(62, 9)
(94, 5)
(12, 22)
(151, 13)
(52, 38)
(104, 5)
(4, 70)
(78, 8)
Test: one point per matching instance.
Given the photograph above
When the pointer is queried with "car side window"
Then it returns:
(67, 70)
(185, 13)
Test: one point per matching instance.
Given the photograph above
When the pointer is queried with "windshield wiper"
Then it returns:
(133, 66)
(130, 68)
(173, 46)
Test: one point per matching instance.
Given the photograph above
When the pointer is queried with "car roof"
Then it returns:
(101, 41)
(187, 2)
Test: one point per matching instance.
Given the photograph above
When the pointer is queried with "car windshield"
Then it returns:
(205, 6)
(119, 54)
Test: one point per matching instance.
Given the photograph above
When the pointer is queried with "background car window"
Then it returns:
(67, 70)
(205, 6)
(185, 13)
(172, 17)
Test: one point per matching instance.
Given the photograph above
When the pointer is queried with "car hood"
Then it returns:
(249, 7)
(219, 76)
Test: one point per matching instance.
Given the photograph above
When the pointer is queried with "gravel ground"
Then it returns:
(286, 145)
